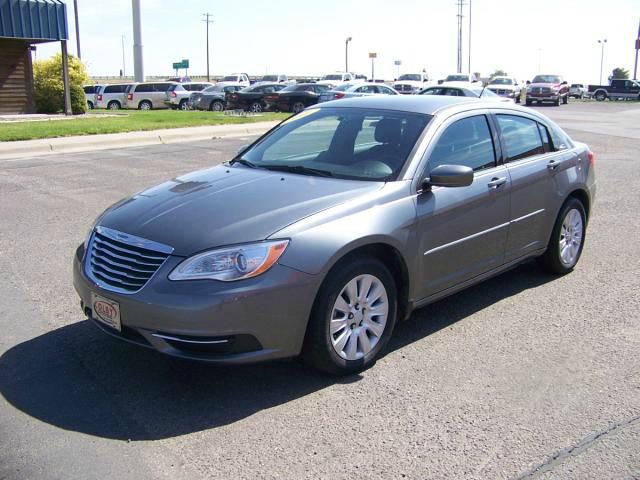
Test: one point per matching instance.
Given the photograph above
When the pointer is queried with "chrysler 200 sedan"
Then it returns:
(325, 232)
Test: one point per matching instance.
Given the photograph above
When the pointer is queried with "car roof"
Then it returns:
(425, 104)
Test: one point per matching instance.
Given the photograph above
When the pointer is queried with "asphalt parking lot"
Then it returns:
(524, 376)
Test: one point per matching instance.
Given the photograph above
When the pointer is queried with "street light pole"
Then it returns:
(601, 42)
(206, 19)
(75, 12)
(346, 54)
(124, 69)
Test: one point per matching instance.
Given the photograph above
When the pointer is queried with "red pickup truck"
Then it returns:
(547, 88)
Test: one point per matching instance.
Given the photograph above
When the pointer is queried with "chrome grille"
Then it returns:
(123, 263)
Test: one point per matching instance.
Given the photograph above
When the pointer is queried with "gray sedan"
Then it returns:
(351, 90)
(213, 98)
(324, 233)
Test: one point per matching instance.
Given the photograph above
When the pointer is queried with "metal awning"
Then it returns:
(33, 20)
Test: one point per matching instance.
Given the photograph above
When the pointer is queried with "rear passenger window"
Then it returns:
(466, 142)
(521, 137)
(144, 88)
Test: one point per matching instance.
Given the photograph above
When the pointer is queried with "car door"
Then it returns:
(532, 162)
(463, 231)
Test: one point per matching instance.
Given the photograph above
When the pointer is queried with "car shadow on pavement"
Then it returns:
(79, 379)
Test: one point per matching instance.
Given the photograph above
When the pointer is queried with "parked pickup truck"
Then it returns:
(410, 83)
(619, 88)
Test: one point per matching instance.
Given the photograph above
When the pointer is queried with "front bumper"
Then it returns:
(247, 321)
(551, 97)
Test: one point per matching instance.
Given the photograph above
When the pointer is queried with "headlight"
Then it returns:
(232, 263)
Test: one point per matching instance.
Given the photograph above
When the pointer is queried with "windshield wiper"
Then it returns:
(244, 162)
(299, 169)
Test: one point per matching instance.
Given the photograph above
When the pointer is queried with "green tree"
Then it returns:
(499, 73)
(49, 86)
(619, 72)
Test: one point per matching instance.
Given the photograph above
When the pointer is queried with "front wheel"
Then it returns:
(297, 107)
(352, 318)
(567, 238)
(565, 99)
(256, 107)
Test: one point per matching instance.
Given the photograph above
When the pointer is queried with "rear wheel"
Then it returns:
(144, 105)
(352, 318)
(297, 107)
(184, 104)
(601, 96)
(216, 106)
(113, 105)
(528, 102)
(256, 107)
(567, 238)
(90, 105)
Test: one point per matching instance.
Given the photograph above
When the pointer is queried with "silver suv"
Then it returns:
(145, 96)
(178, 95)
(112, 96)
(90, 92)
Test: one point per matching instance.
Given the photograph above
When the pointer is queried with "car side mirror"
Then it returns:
(243, 148)
(449, 176)
(528, 82)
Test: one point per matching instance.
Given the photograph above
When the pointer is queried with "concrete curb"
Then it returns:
(87, 143)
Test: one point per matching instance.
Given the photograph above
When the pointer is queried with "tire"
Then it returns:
(557, 102)
(357, 338)
(567, 239)
(216, 106)
(255, 107)
(297, 107)
(517, 98)
(145, 105)
(114, 105)
(565, 99)
(90, 105)
(184, 105)
(600, 96)
(528, 102)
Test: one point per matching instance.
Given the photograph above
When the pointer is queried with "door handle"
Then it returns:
(553, 164)
(496, 182)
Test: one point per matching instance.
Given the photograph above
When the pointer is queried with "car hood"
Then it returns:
(227, 205)
(547, 85)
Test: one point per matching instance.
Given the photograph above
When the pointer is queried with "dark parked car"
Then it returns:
(328, 230)
(295, 98)
(548, 88)
(618, 89)
(252, 98)
(213, 98)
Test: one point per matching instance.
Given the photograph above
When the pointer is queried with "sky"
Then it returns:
(300, 37)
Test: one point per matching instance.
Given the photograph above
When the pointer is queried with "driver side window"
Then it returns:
(465, 142)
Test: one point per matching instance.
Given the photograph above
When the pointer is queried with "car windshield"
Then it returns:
(270, 78)
(546, 79)
(349, 143)
(485, 92)
(457, 78)
(230, 78)
(501, 81)
(214, 88)
(342, 88)
(332, 77)
(414, 77)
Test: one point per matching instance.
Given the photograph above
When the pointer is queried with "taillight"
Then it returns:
(99, 98)
(338, 95)
(174, 94)
(130, 96)
(233, 96)
(592, 158)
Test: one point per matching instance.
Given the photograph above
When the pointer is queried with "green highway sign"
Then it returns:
(183, 64)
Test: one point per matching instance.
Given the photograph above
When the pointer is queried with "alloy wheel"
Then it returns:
(358, 317)
(571, 234)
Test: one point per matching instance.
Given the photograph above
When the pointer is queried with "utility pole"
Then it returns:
(124, 70)
(469, 36)
(138, 65)
(635, 68)
(460, 4)
(75, 12)
(207, 21)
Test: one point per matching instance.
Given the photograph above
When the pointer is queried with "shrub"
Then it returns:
(49, 86)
